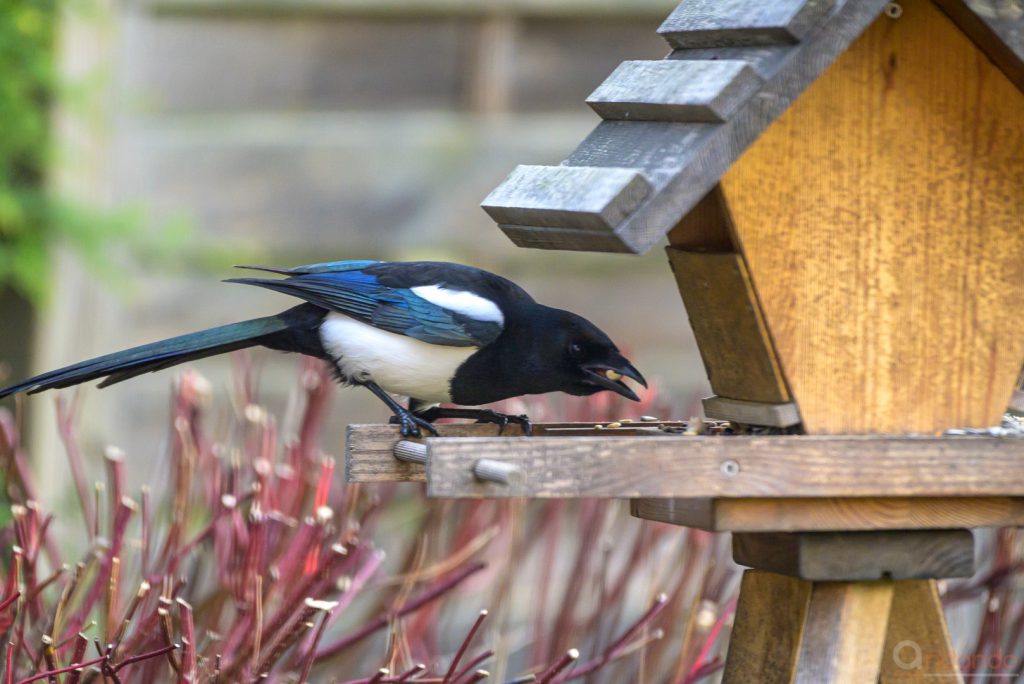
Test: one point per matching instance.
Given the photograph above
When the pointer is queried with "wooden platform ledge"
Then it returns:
(736, 466)
(369, 450)
(604, 464)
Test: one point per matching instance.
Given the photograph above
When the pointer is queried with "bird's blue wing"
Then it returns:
(326, 267)
(343, 287)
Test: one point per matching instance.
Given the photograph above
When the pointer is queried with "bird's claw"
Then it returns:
(489, 416)
(411, 424)
(523, 421)
(503, 419)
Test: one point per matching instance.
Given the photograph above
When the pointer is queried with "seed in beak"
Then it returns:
(612, 375)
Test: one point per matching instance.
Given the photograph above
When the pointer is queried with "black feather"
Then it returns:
(272, 331)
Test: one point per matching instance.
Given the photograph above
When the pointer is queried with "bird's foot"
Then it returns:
(411, 423)
(502, 420)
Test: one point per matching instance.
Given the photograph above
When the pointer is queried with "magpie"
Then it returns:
(434, 332)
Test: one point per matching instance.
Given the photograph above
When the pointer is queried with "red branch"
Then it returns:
(618, 647)
(9, 600)
(415, 604)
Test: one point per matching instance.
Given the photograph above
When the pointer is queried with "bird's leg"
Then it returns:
(410, 422)
(481, 416)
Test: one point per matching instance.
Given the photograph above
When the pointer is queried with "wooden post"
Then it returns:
(917, 644)
(842, 609)
(770, 618)
(792, 630)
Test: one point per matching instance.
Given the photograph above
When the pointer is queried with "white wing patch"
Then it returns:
(399, 364)
(460, 301)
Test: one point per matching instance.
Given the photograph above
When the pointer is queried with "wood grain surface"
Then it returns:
(734, 467)
(781, 415)
(999, 37)
(881, 217)
(576, 197)
(858, 556)
(369, 449)
(707, 227)
(861, 513)
(675, 90)
(769, 627)
(789, 630)
(718, 23)
(684, 161)
(844, 633)
(918, 649)
(728, 325)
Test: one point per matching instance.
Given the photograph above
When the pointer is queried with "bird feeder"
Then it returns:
(842, 187)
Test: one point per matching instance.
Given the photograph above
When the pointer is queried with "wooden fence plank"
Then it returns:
(401, 9)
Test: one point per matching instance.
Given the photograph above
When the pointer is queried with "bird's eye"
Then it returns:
(575, 351)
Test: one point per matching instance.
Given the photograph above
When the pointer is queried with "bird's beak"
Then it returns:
(610, 377)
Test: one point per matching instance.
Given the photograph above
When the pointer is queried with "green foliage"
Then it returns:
(26, 85)
(33, 221)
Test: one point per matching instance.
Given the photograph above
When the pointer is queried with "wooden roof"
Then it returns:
(672, 127)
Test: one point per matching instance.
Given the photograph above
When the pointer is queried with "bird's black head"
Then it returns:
(584, 360)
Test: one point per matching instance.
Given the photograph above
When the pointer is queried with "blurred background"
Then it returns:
(191, 136)
(146, 147)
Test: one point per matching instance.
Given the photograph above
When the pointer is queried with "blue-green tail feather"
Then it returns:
(159, 355)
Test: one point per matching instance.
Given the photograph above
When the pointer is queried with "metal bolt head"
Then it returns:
(893, 10)
(729, 468)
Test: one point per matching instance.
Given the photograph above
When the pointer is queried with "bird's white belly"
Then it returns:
(399, 364)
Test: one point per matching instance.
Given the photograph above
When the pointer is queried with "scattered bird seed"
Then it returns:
(1012, 426)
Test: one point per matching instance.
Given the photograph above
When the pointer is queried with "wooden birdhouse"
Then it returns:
(842, 188)
(843, 194)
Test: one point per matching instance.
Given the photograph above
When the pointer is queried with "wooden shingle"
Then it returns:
(668, 90)
(721, 23)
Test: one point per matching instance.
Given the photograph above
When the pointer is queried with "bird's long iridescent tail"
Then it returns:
(155, 356)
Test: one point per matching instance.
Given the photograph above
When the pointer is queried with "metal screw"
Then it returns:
(411, 452)
(729, 468)
(498, 471)
(893, 10)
